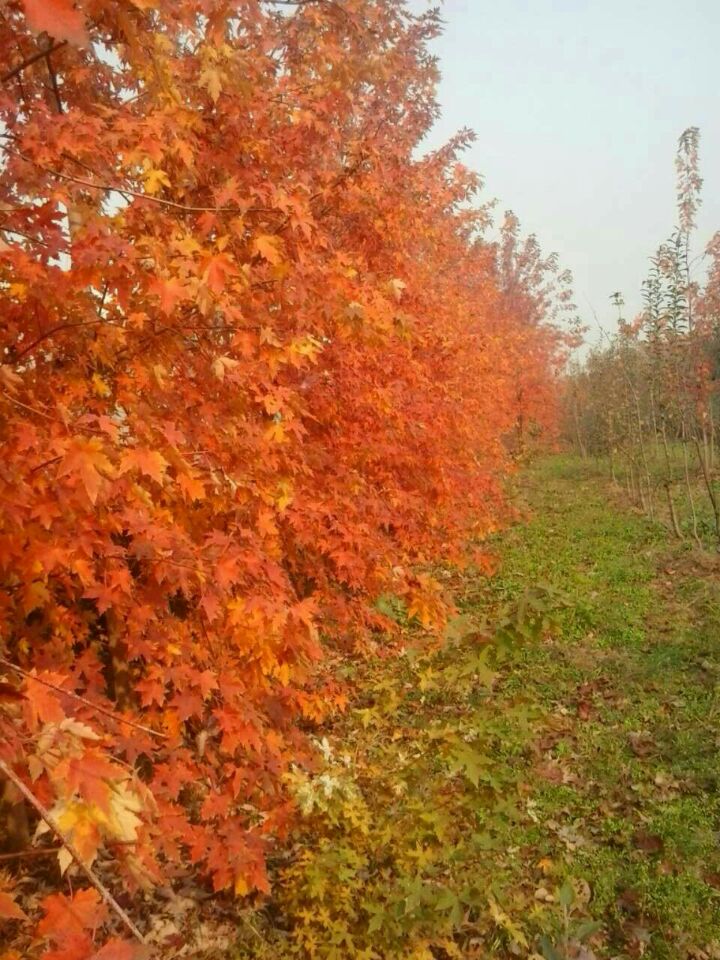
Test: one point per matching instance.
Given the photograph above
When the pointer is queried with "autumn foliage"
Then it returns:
(259, 367)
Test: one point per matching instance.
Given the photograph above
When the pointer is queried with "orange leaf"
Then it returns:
(192, 487)
(59, 18)
(170, 291)
(268, 247)
(116, 950)
(67, 917)
(148, 462)
(86, 459)
(42, 701)
(9, 910)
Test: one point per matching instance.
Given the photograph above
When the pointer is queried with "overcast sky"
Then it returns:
(578, 105)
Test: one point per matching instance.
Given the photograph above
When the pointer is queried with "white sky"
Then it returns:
(578, 105)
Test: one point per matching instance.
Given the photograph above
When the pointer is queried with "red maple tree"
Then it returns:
(258, 368)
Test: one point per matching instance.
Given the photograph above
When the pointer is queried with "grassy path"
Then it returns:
(632, 777)
(547, 785)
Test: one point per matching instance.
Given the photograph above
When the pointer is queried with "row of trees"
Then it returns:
(258, 367)
(646, 398)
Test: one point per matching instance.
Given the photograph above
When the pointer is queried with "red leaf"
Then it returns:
(59, 18)
(66, 918)
(9, 910)
(116, 950)
(76, 947)
(43, 701)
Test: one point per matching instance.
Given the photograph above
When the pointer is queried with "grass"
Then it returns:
(657, 464)
(553, 794)
(638, 662)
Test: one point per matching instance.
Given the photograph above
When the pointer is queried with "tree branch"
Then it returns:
(111, 188)
(92, 877)
(88, 703)
(30, 60)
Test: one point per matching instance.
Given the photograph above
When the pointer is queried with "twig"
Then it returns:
(62, 326)
(34, 852)
(24, 406)
(25, 236)
(110, 188)
(30, 854)
(88, 703)
(92, 877)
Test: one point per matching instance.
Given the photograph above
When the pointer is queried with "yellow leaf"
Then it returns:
(221, 364)
(64, 859)
(282, 672)
(159, 374)
(211, 80)
(100, 388)
(35, 596)
(80, 823)
(396, 287)
(124, 807)
(8, 378)
(283, 495)
(154, 179)
(77, 729)
(268, 247)
(305, 347)
(276, 432)
(503, 920)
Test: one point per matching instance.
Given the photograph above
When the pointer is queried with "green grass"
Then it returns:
(644, 634)
(659, 473)
(570, 793)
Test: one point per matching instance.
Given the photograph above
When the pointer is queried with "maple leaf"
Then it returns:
(192, 487)
(58, 18)
(154, 179)
(42, 700)
(35, 595)
(228, 192)
(268, 247)
(217, 270)
(148, 462)
(80, 823)
(125, 805)
(397, 287)
(100, 387)
(221, 364)
(211, 80)
(66, 917)
(116, 949)
(9, 910)
(86, 459)
(171, 291)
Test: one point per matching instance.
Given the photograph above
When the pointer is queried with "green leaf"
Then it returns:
(587, 929)
(548, 950)
(465, 759)
(566, 894)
